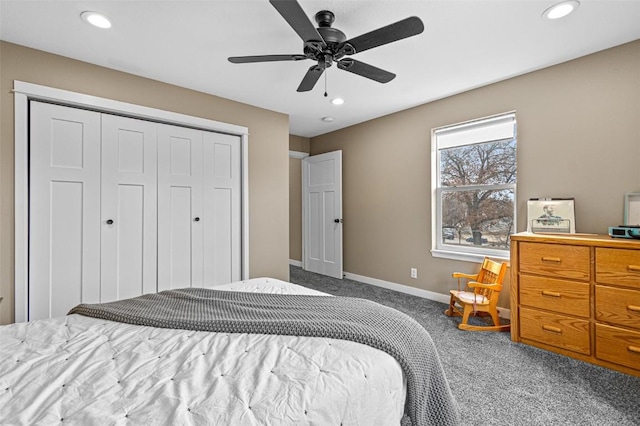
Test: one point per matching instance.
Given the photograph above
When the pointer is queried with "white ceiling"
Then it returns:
(466, 44)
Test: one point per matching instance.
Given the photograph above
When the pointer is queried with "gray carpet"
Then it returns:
(498, 382)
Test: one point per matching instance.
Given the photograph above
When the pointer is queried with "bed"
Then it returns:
(81, 369)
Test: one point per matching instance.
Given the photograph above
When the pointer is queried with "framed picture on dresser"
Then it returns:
(632, 209)
(555, 215)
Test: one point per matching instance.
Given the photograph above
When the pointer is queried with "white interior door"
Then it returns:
(322, 213)
(129, 208)
(64, 223)
(180, 209)
(220, 223)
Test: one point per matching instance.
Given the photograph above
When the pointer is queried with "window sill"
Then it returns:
(476, 257)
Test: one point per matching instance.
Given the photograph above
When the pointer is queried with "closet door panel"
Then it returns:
(218, 244)
(129, 208)
(64, 200)
(180, 211)
(180, 236)
(65, 249)
(222, 198)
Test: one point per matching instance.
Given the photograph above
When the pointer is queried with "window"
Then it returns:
(474, 188)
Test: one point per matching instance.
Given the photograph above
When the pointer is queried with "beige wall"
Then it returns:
(268, 149)
(578, 136)
(295, 209)
(299, 144)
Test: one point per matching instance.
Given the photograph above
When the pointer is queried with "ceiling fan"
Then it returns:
(326, 45)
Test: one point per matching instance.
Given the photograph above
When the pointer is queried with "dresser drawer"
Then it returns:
(555, 330)
(618, 306)
(618, 346)
(618, 267)
(569, 297)
(555, 260)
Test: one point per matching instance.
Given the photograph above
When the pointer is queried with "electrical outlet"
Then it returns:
(414, 273)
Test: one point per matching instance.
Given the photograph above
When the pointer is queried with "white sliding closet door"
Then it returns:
(180, 209)
(129, 208)
(64, 223)
(221, 225)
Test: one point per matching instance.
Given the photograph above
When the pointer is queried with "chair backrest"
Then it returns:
(491, 272)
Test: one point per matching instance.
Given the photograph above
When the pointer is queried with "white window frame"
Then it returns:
(486, 129)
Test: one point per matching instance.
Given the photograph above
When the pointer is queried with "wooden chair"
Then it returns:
(480, 297)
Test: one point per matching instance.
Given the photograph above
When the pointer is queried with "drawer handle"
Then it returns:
(634, 349)
(555, 259)
(550, 293)
(552, 329)
(633, 268)
(633, 308)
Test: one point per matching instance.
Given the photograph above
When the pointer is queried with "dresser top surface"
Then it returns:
(578, 239)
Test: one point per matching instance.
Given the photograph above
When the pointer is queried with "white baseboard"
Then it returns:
(426, 294)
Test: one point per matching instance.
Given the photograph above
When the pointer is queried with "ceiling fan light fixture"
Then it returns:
(327, 119)
(96, 19)
(560, 10)
(337, 101)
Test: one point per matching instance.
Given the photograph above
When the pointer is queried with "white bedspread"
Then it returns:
(84, 371)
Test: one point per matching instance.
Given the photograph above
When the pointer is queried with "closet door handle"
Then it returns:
(109, 221)
(197, 219)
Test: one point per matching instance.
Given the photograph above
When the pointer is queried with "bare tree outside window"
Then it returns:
(478, 193)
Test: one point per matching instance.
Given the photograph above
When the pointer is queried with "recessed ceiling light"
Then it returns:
(96, 19)
(561, 10)
(327, 119)
(337, 101)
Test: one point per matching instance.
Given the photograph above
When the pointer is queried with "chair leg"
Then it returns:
(450, 311)
(465, 316)
(495, 318)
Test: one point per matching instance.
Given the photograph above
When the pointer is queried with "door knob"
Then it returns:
(197, 219)
(109, 221)
(337, 220)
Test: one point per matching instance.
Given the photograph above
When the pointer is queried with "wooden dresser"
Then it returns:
(578, 295)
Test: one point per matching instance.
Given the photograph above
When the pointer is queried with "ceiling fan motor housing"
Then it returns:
(325, 19)
(333, 39)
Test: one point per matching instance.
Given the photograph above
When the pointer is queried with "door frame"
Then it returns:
(25, 92)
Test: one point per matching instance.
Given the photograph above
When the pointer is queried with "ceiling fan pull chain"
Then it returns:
(325, 82)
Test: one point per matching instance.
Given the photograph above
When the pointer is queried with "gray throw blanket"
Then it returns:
(429, 398)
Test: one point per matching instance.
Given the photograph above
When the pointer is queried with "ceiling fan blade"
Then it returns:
(265, 58)
(310, 78)
(402, 29)
(366, 70)
(292, 12)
